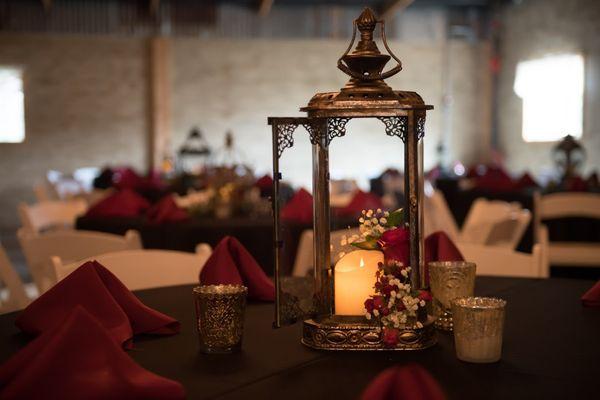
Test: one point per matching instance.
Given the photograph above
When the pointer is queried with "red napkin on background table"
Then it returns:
(439, 247)
(166, 210)
(591, 298)
(576, 184)
(299, 208)
(125, 203)
(525, 181)
(231, 263)
(411, 382)
(103, 295)
(264, 183)
(361, 201)
(78, 359)
(496, 179)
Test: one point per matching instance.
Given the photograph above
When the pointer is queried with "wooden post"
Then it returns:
(160, 95)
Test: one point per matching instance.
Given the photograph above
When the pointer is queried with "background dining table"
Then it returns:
(551, 351)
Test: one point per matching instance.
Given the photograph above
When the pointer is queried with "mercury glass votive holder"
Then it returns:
(220, 313)
(478, 327)
(449, 280)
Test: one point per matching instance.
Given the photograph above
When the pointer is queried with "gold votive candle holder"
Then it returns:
(220, 313)
(449, 280)
(478, 328)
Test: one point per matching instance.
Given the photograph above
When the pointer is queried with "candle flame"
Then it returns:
(362, 263)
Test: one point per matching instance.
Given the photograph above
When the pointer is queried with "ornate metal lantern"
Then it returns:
(569, 156)
(402, 113)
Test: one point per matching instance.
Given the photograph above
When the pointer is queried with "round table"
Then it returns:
(551, 350)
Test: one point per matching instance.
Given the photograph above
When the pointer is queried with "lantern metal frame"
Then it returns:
(403, 114)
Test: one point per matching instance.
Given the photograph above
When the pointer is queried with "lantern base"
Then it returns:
(358, 335)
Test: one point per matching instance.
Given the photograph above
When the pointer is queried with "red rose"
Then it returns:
(395, 245)
(390, 337)
(424, 295)
(385, 311)
(369, 305)
(378, 302)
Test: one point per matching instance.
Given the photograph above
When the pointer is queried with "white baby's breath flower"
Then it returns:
(422, 303)
(344, 240)
(361, 220)
(404, 273)
(419, 325)
(374, 221)
(341, 254)
(387, 213)
(376, 313)
(369, 213)
(368, 316)
(351, 239)
(393, 293)
(363, 212)
(379, 211)
(383, 220)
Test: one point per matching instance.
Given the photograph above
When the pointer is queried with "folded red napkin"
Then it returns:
(525, 181)
(78, 359)
(96, 289)
(592, 181)
(591, 298)
(361, 201)
(125, 203)
(576, 184)
(439, 247)
(231, 263)
(264, 183)
(299, 208)
(496, 179)
(166, 210)
(410, 382)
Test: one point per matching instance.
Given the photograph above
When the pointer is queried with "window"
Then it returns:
(552, 93)
(12, 108)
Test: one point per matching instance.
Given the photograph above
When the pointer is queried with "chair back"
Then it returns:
(438, 216)
(494, 222)
(498, 261)
(50, 215)
(567, 205)
(69, 246)
(16, 298)
(303, 263)
(144, 269)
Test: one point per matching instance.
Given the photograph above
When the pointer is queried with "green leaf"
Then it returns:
(369, 244)
(396, 218)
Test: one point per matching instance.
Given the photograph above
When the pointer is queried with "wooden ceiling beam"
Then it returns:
(264, 7)
(47, 4)
(389, 7)
(153, 7)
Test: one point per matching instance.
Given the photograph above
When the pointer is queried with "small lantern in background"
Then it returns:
(568, 156)
(193, 153)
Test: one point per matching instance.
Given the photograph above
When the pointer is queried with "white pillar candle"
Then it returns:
(354, 281)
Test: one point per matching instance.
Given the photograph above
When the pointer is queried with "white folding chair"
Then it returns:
(494, 222)
(498, 261)
(50, 215)
(304, 255)
(438, 216)
(69, 246)
(14, 296)
(564, 205)
(144, 269)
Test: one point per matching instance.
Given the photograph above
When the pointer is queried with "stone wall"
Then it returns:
(87, 103)
(533, 29)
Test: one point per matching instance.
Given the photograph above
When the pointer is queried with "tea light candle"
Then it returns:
(354, 281)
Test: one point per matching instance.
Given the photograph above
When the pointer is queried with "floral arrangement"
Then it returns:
(395, 304)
